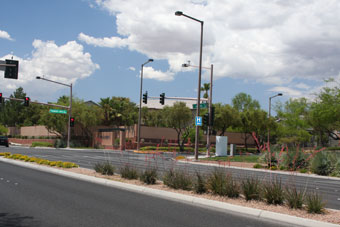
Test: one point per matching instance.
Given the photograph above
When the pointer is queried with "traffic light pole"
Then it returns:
(40, 103)
(70, 107)
(210, 110)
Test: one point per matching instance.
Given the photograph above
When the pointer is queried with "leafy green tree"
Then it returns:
(3, 130)
(293, 128)
(119, 111)
(179, 117)
(324, 115)
(225, 117)
(153, 118)
(12, 113)
(243, 101)
(86, 117)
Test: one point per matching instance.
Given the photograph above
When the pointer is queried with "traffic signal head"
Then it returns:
(206, 119)
(145, 97)
(0, 97)
(212, 115)
(72, 121)
(26, 101)
(11, 72)
(162, 98)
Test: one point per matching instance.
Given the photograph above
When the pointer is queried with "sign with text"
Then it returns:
(58, 111)
(202, 105)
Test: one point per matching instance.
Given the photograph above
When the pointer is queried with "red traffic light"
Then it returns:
(0, 97)
(72, 122)
(26, 101)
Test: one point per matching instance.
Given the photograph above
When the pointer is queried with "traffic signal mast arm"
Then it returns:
(178, 98)
(46, 104)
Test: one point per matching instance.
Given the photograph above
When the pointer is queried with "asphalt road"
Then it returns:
(330, 189)
(35, 198)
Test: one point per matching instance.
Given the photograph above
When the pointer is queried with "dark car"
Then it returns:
(4, 141)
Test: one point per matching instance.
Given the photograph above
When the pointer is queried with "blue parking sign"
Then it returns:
(198, 121)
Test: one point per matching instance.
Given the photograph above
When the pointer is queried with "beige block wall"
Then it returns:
(36, 131)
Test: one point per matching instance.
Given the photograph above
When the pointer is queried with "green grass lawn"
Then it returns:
(238, 158)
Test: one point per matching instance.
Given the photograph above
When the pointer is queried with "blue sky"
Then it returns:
(260, 48)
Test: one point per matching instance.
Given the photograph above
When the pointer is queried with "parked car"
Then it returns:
(4, 140)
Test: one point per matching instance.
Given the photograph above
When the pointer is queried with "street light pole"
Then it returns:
(140, 103)
(70, 107)
(179, 13)
(209, 101)
(269, 115)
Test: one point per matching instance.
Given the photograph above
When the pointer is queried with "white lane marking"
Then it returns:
(7, 181)
(16, 184)
(1, 178)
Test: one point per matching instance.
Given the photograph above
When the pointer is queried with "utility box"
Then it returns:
(221, 145)
(232, 149)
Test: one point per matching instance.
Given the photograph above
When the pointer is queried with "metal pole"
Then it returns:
(140, 107)
(210, 109)
(69, 119)
(199, 93)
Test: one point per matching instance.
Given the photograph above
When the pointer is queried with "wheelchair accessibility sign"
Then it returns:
(198, 121)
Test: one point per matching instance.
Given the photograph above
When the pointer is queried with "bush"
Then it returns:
(294, 197)
(128, 172)
(217, 182)
(200, 184)
(273, 192)
(41, 144)
(69, 165)
(149, 176)
(60, 164)
(60, 143)
(177, 180)
(321, 164)
(303, 170)
(273, 168)
(314, 203)
(251, 189)
(295, 159)
(104, 168)
(232, 188)
(53, 163)
(257, 166)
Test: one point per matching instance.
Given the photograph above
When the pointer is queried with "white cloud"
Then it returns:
(132, 68)
(5, 35)
(270, 42)
(150, 73)
(66, 63)
(290, 92)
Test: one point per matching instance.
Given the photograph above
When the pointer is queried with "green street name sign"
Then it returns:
(58, 111)
(202, 105)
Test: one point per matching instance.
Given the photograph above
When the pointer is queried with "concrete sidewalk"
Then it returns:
(220, 206)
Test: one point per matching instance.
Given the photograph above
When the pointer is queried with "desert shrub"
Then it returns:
(41, 144)
(273, 192)
(105, 168)
(282, 168)
(295, 159)
(53, 163)
(149, 176)
(294, 197)
(5, 154)
(44, 162)
(251, 188)
(217, 182)
(59, 163)
(232, 188)
(60, 143)
(24, 157)
(128, 172)
(32, 159)
(321, 164)
(269, 158)
(257, 166)
(200, 184)
(314, 203)
(68, 165)
(303, 170)
(273, 168)
(177, 179)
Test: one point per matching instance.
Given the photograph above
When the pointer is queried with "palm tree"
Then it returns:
(205, 88)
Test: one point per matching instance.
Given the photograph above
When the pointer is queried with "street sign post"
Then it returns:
(202, 105)
(198, 121)
(58, 111)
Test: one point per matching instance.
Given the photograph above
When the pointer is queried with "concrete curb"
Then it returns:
(221, 206)
(263, 170)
